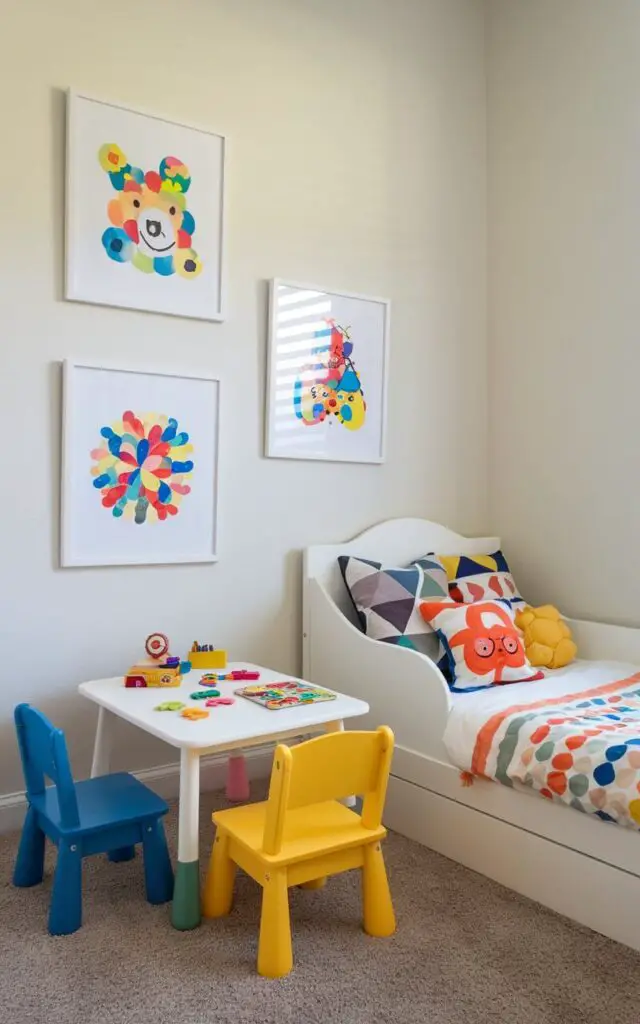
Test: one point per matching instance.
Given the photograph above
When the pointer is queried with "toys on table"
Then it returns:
(161, 669)
(149, 675)
(211, 698)
(274, 696)
(194, 713)
(156, 645)
(237, 675)
(206, 656)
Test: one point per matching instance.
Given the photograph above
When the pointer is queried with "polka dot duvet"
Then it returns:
(572, 737)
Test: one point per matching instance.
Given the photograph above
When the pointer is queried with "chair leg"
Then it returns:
(379, 919)
(218, 888)
(29, 867)
(315, 883)
(158, 873)
(122, 854)
(275, 957)
(65, 912)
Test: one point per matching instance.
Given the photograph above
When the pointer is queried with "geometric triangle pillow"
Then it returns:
(387, 600)
(482, 643)
(480, 578)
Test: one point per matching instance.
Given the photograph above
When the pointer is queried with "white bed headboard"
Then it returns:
(394, 542)
(403, 688)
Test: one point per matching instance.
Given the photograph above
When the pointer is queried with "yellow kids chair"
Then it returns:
(303, 833)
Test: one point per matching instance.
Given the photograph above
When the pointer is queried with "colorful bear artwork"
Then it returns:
(330, 388)
(151, 226)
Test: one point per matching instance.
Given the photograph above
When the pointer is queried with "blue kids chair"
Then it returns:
(109, 814)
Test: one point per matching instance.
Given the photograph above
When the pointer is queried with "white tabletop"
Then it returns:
(228, 726)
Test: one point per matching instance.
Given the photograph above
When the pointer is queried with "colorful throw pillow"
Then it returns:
(387, 599)
(480, 578)
(482, 643)
(547, 638)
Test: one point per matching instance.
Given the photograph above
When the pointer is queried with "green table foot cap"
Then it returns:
(185, 912)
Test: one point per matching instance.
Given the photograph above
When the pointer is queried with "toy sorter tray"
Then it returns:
(206, 656)
(285, 695)
(208, 659)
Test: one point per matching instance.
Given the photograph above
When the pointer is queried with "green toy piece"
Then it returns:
(170, 705)
(201, 694)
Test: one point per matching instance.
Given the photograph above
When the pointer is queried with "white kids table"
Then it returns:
(230, 727)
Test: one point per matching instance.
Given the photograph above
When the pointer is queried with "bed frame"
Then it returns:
(566, 860)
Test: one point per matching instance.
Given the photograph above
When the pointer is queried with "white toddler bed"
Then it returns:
(568, 861)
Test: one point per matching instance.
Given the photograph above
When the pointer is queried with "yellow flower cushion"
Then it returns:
(547, 638)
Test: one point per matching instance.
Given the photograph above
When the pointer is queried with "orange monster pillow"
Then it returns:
(482, 644)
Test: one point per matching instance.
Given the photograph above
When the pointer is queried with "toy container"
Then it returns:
(152, 675)
(207, 659)
(160, 670)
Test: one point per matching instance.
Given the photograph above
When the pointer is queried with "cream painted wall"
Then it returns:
(357, 160)
(564, 299)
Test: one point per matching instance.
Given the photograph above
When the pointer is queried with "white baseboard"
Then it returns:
(164, 780)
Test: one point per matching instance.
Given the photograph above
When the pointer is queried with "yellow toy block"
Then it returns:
(206, 659)
(152, 675)
(159, 670)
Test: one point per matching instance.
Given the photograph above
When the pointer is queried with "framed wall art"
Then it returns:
(327, 374)
(144, 211)
(139, 466)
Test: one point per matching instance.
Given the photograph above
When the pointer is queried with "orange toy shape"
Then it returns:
(194, 714)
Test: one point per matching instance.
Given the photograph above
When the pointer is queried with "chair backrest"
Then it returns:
(43, 750)
(330, 767)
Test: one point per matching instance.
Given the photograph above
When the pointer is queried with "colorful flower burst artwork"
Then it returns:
(142, 466)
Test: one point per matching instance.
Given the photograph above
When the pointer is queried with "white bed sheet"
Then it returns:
(470, 711)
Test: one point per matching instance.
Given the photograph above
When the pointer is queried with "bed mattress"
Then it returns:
(572, 737)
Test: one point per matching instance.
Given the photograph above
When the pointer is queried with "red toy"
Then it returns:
(156, 645)
(160, 670)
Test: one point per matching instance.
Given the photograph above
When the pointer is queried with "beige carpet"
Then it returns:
(466, 951)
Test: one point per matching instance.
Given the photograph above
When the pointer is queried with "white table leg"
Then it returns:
(103, 742)
(338, 726)
(185, 912)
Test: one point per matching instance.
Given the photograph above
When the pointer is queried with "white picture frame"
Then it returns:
(144, 211)
(126, 503)
(327, 372)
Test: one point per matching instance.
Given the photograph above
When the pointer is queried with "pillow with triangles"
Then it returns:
(480, 578)
(387, 600)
